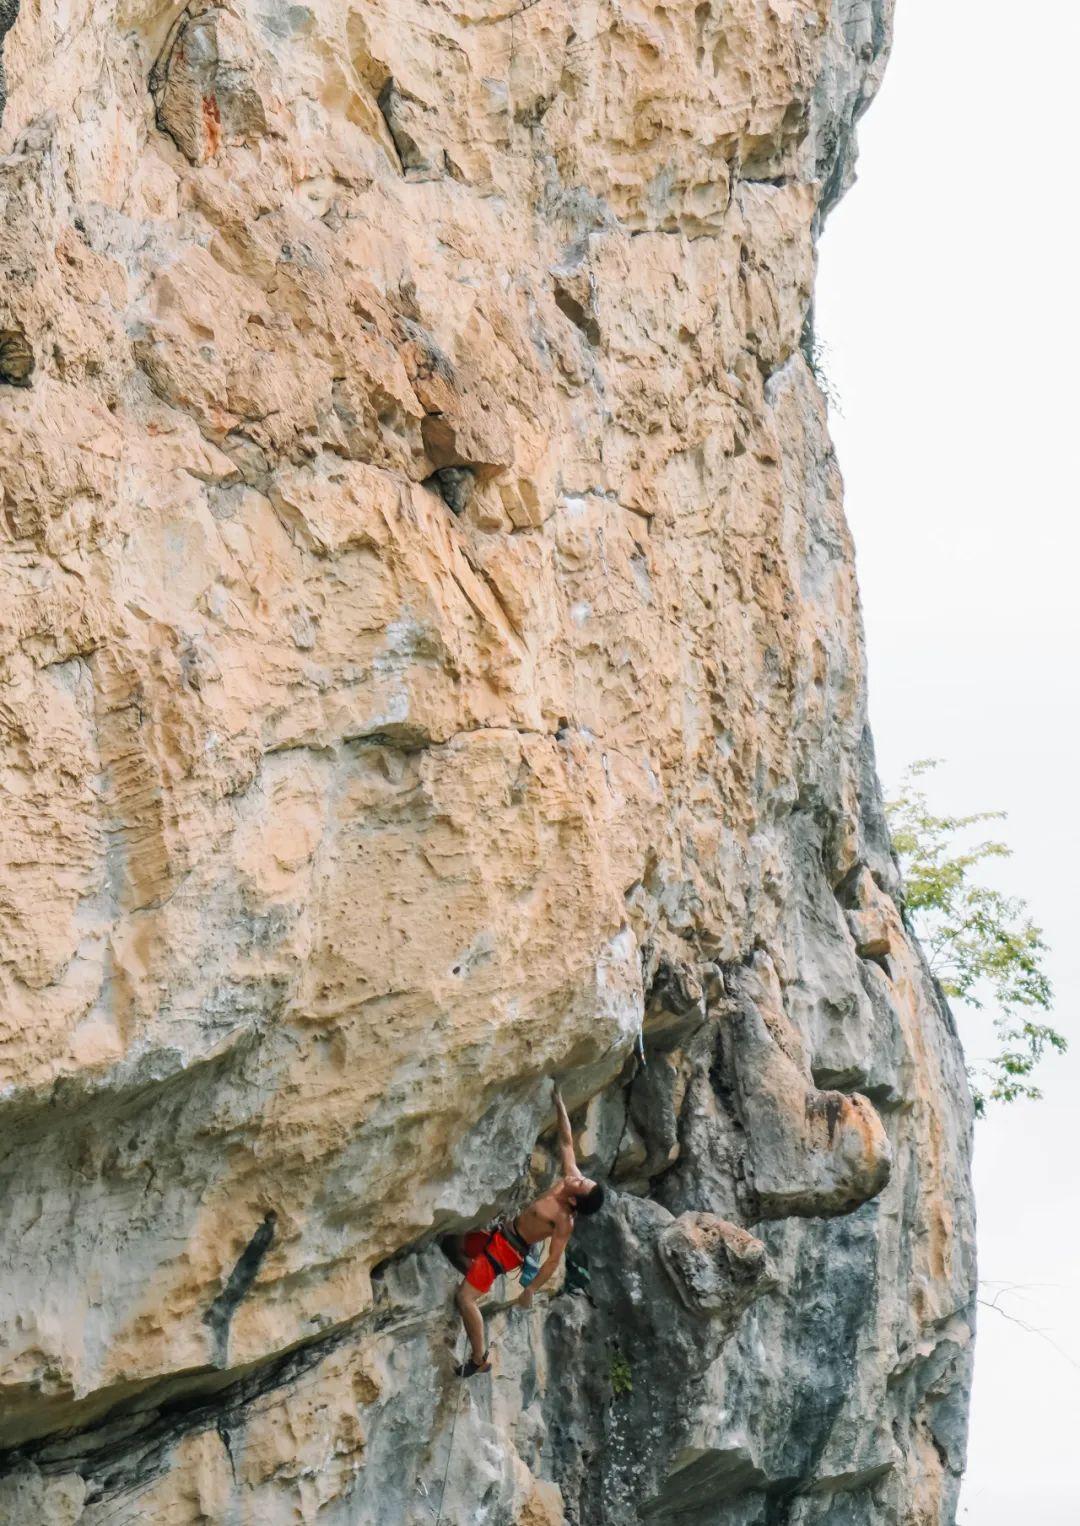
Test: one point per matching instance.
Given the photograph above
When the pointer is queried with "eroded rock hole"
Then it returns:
(455, 485)
(16, 353)
(573, 308)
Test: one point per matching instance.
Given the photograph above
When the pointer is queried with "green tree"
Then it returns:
(982, 945)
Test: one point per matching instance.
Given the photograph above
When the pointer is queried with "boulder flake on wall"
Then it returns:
(431, 664)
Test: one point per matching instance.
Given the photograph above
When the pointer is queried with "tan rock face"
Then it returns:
(431, 663)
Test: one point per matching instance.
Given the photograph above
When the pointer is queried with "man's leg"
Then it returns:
(471, 1317)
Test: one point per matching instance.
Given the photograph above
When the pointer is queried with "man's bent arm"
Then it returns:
(554, 1256)
(566, 1138)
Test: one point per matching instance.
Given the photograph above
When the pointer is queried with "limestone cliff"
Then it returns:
(430, 664)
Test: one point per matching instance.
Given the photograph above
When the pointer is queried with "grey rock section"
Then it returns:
(841, 1397)
(690, 1369)
(859, 51)
(625, 1348)
(716, 1269)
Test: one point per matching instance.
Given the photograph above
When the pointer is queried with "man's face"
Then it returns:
(581, 1186)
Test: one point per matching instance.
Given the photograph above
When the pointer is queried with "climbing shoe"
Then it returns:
(470, 1368)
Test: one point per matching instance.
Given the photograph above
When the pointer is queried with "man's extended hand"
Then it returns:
(566, 1136)
(526, 1299)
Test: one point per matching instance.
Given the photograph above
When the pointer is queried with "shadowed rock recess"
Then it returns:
(431, 663)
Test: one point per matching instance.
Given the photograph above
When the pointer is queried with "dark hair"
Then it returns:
(592, 1201)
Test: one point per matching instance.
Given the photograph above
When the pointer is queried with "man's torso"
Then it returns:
(543, 1217)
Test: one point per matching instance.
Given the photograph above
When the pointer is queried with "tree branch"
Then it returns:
(992, 1303)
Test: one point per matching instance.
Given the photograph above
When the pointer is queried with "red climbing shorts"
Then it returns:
(489, 1254)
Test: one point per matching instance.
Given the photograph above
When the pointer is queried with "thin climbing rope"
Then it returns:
(450, 1454)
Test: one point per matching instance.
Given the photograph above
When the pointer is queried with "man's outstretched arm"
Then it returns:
(566, 1138)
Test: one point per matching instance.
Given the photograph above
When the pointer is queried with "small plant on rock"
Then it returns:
(620, 1375)
(816, 354)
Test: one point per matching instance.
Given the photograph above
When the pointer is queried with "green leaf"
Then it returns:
(982, 945)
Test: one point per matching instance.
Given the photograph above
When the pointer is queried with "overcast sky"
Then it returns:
(947, 297)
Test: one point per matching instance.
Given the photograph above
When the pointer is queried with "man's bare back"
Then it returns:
(482, 1256)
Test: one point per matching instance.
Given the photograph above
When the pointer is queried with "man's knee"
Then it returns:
(465, 1295)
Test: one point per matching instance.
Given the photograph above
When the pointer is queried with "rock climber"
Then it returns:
(484, 1254)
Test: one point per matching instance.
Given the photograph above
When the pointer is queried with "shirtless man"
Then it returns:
(484, 1254)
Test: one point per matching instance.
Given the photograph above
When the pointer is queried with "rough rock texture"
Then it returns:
(9, 10)
(431, 662)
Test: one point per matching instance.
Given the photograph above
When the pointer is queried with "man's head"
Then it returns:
(588, 1197)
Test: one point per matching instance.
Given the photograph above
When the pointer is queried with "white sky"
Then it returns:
(948, 299)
